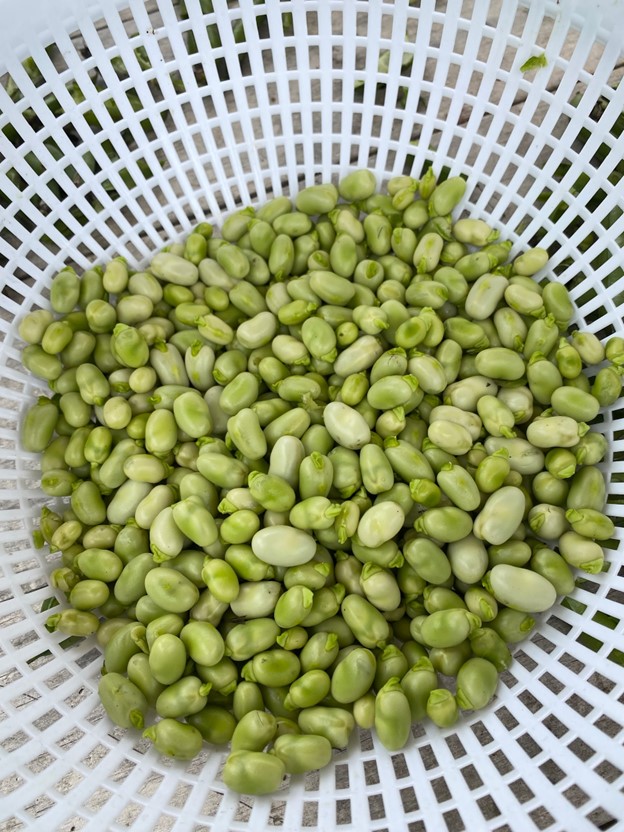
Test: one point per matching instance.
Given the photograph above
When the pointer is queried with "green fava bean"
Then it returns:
(254, 731)
(500, 363)
(428, 560)
(380, 587)
(171, 590)
(167, 658)
(554, 568)
(221, 580)
(123, 702)
(245, 640)
(481, 603)
(315, 476)
(501, 515)
(256, 599)
(543, 378)
(366, 622)
(99, 564)
(520, 589)
(607, 386)
(548, 521)
(587, 489)
(246, 565)
(239, 527)
(492, 471)
(391, 662)
(574, 403)
(184, 697)
(459, 487)
(319, 652)
(215, 724)
(447, 628)
(88, 594)
(245, 431)
(293, 606)
(253, 772)
(357, 185)
(130, 585)
(512, 625)
(447, 523)
(169, 622)
(590, 523)
(588, 346)
(302, 752)
(591, 448)
(442, 708)
(140, 675)
(247, 697)
(335, 724)
(124, 643)
(275, 667)
(393, 720)
(281, 545)
(353, 675)
(417, 684)
(87, 503)
(192, 414)
(195, 521)
(204, 644)
(477, 681)
(487, 644)
(73, 623)
(175, 739)
(293, 639)
(556, 431)
(37, 426)
(308, 690)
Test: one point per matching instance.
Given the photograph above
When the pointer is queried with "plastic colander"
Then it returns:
(136, 120)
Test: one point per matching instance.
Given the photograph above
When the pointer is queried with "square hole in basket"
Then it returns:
(408, 799)
(371, 772)
(455, 746)
(581, 749)
(341, 776)
(441, 789)
(472, 777)
(529, 745)
(376, 807)
(501, 762)
(488, 807)
(453, 821)
(530, 702)
(343, 812)
(555, 726)
(428, 757)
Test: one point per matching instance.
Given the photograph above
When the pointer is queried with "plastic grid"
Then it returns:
(195, 135)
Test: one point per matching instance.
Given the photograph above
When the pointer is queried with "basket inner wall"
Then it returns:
(147, 120)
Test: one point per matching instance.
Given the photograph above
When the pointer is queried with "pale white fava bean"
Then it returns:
(521, 589)
(283, 546)
(450, 436)
(471, 421)
(555, 432)
(523, 457)
(484, 296)
(346, 426)
(380, 523)
(500, 516)
(359, 356)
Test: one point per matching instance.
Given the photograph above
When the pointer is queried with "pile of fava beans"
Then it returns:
(317, 472)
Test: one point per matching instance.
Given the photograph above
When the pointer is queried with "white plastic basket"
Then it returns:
(295, 93)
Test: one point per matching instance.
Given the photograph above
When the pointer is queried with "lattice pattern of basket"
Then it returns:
(141, 119)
